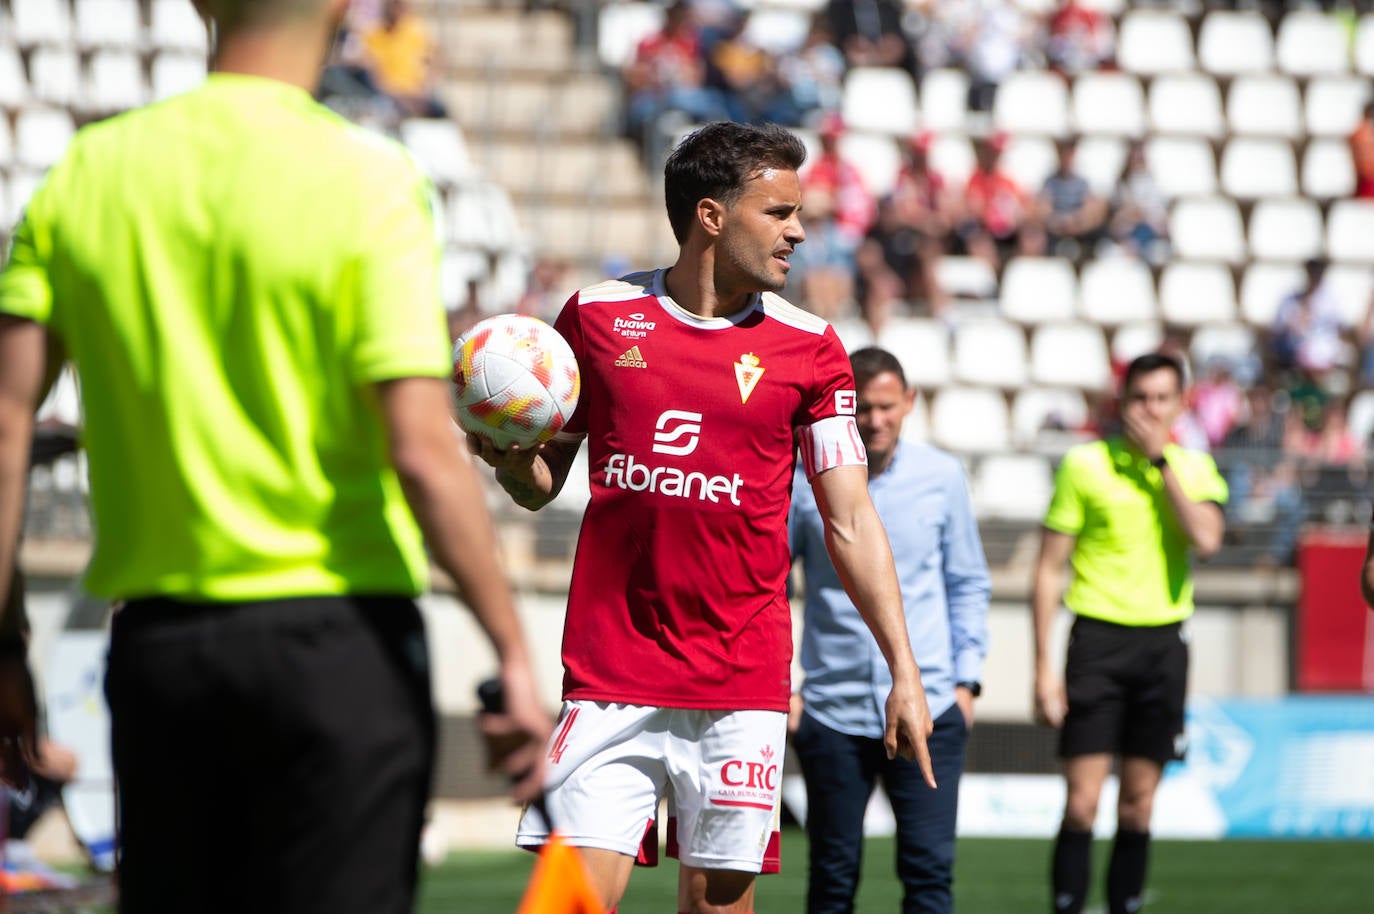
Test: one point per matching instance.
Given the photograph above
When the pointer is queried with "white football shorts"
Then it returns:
(609, 764)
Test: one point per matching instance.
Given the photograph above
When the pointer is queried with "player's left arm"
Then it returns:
(1367, 576)
(858, 546)
(968, 586)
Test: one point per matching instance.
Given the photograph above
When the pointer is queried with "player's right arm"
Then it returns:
(1046, 589)
(533, 477)
(1367, 574)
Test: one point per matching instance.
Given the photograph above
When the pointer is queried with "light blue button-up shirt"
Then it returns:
(924, 503)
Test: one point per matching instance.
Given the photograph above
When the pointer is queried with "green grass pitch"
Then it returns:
(993, 876)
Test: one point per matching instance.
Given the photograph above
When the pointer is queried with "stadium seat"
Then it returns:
(1186, 103)
(8, 214)
(1012, 487)
(1101, 160)
(990, 352)
(969, 420)
(1151, 42)
(1264, 285)
(917, 424)
(1253, 168)
(1364, 45)
(1334, 104)
(1353, 286)
(1236, 343)
(1327, 170)
(41, 22)
(1036, 408)
(880, 100)
(108, 24)
(921, 345)
(55, 76)
(944, 100)
(40, 136)
(1264, 106)
(620, 29)
(114, 82)
(1192, 293)
(1116, 290)
(1207, 228)
(1038, 289)
(1108, 103)
(6, 150)
(1232, 43)
(1136, 339)
(1029, 160)
(1360, 416)
(1312, 43)
(175, 72)
(439, 147)
(22, 184)
(1286, 229)
(1070, 354)
(877, 158)
(1350, 231)
(14, 85)
(1031, 101)
(176, 26)
(1182, 166)
(459, 267)
(951, 156)
(777, 29)
(967, 277)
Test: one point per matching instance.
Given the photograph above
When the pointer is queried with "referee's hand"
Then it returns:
(1050, 701)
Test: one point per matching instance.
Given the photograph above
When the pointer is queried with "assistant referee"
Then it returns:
(1127, 510)
(247, 285)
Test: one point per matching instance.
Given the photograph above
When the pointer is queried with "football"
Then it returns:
(515, 380)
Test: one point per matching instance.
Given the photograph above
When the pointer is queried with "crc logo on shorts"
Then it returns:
(749, 783)
(846, 402)
(677, 432)
(633, 327)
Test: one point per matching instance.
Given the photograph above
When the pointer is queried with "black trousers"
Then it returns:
(271, 756)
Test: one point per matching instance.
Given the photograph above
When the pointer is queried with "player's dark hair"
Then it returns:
(871, 361)
(1151, 361)
(717, 161)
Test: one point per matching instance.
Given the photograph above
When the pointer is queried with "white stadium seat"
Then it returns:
(1352, 285)
(1186, 103)
(1012, 486)
(777, 29)
(880, 100)
(1108, 103)
(6, 151)
(1285, 229)
(1153, 42)
(1264, 106)
(854, 333)
(1029, 160)
(1031, 101)
(41, 136)
(1116, 290)
(175, 72)
(1038, 289)
(990, 352)
(439, 147)
(1232, 43)
(1312, 43)
(877, 158)
(1192, 293)
(1364, 45)
(175, 25)
(114, 82)
(1253, 168)
(621, 27)
(951, 155)
(1070, 354)
(917, 424)
(969, 419)
(41, 22)
(8, 215)
(1360, 417)
(1136, 339)
(1037, 407)
(1207, 228)
(967, 277)
(1182, 166)
(944, 100)
(1264, 286)
(1101, 160)
(1327, 170)
(55, 75)
(108, 23)
(921, 345)
(14, 85)
(1350, 231)
(1334, 104)
(459, 267)
(1236, 343)
(23, 182)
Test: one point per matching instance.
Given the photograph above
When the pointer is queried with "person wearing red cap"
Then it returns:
(996, 217)
(854, 205)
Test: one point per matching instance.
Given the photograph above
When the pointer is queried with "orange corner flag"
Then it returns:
(559, 883)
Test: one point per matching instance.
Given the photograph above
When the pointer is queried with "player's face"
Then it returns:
(1157, 395)
(759, 232)
(883, 404)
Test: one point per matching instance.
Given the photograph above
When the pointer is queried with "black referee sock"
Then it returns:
(1126, 872)
(1069, 872)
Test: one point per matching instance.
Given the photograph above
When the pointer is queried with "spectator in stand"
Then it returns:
(1306, 332)
(995, 219)
(869, 32)
(1217, 400)
(854, 205)
(1071, 213)
(1362, 153)
(543, 297)
(1364, 340)
(1262, 475)
(748, 79)
(668, 74)
(1140, 212)
(401, 55)
(1080, 39)
(823, 269)
(814, 73)
(995, 47)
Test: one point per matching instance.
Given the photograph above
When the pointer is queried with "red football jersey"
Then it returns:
(678, 594)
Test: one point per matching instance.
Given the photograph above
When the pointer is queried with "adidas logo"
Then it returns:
(631, 358)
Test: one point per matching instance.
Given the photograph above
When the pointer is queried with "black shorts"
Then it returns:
(271, 757)
(1126, 687)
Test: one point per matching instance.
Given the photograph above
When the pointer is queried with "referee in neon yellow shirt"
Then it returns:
(1127, 511)
(248, 287)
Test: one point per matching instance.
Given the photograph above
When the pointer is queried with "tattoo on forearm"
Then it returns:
(523, 493)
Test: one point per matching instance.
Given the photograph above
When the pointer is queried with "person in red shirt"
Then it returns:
(1080, 39)
(855, 207)
(1362, 153)
(996, 213)
(699, 388)
(668, 73)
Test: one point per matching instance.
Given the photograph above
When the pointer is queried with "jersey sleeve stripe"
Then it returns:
(784, 312)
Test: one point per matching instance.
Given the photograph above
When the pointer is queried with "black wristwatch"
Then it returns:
(1159, 462)
(975, 688)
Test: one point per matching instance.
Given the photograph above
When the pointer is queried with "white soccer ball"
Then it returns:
(515, 380)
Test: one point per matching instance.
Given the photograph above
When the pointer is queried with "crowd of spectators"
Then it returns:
(384, 66)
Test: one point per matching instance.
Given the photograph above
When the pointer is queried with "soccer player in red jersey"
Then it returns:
(699, 386)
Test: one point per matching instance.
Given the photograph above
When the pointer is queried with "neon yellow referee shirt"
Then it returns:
(1130, 560)
(231, 269)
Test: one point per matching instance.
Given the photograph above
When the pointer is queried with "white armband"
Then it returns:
(830, 443)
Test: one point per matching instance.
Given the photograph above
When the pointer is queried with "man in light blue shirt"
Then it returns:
(923, 499)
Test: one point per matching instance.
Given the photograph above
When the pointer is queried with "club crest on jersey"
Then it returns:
(747, 374)
(631, 358)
